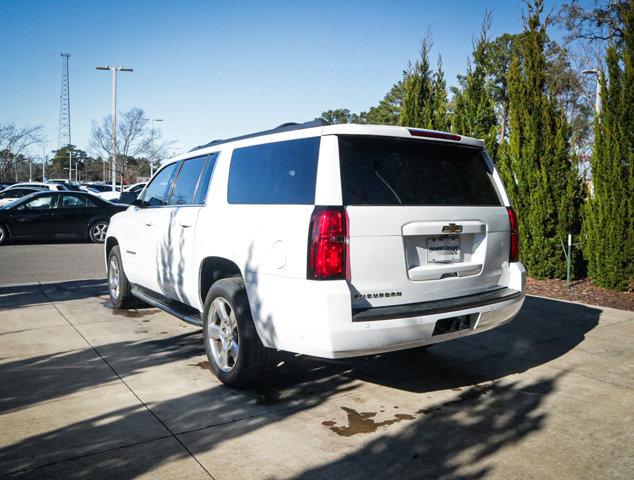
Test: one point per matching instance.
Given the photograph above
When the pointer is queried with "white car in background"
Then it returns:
(117, 194)
(332, 241)
(42, 185)
(12, 193)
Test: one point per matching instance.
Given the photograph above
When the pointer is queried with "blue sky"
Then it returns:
(215, 69)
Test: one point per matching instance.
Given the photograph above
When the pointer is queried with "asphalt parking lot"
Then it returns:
(86, 392)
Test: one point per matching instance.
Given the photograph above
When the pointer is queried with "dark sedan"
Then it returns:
(47, 215)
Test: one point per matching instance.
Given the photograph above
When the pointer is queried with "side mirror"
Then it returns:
(138, 203)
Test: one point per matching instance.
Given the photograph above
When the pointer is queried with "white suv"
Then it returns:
(332, 241)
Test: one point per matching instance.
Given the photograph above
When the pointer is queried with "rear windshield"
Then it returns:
(391, 171)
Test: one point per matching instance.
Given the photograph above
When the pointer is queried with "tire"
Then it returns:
(4, 235)
(118, 285)
(97, 231)
(236, 354)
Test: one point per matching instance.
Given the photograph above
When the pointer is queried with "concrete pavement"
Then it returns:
(85, 392)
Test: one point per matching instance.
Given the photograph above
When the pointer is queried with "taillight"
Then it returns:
(327, 244)
(514, 252)
(432, 134)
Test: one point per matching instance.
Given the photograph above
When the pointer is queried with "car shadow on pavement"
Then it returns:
(484, 417)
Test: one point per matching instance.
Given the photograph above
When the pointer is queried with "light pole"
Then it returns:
(597, 101)
(152, 143)
(44, 160)
(114, 71)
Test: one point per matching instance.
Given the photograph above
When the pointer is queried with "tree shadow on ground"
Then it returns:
(21, 296)
(441, 440)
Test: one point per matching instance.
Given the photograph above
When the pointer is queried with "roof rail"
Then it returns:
(285, 127)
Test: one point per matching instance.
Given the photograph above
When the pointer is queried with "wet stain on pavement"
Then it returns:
(204, 364)
(133, 313)
(362, 422)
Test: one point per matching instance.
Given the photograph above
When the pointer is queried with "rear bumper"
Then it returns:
(436, 307)
(317, 318)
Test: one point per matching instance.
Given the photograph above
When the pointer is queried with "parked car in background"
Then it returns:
(10, 194)
(131, 192)
(56, 215)
(42, 185)
(4, 185)
(332, 241)
(65, 185)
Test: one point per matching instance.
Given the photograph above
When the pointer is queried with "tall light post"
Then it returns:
(152, 143)
(597, 100)
(44, 160)
(114, 71)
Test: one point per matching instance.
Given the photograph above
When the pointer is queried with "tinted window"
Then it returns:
(388, 171)
(76, 201)
(42, 202)
(159, 186)
(274, 173)
(186, 181)
(203, 185)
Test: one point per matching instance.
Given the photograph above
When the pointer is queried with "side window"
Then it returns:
(43, 202)
(76, 201)
(158, 188)
(187, 180)
(203, 184)
(274, 173)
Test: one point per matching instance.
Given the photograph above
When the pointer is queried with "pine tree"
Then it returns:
(416, 110)
(541, 180)
(473, 112)
(440, 104)
(609, 211)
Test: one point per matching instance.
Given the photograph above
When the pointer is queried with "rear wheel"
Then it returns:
(236, 354)
(97, 231)
(118, 284)
(4, 235)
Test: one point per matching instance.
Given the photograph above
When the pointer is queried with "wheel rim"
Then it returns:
(113, 278)
(98, 231)
(222, 331)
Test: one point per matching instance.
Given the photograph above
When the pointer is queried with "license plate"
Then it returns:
(443, 249)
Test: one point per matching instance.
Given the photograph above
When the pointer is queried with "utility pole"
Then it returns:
(44, 160)
(30, 170)
(597, 100)
(70, 165)
(114, 71)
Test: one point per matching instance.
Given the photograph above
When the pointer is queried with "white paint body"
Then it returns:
(269, 244)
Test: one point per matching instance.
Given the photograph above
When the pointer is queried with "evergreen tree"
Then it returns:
(417, 106)
(541, 180)
(440, 104)
(609, 211)
(389, 109)
(473, 112)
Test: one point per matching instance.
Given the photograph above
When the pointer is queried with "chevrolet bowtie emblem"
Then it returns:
(452, 228)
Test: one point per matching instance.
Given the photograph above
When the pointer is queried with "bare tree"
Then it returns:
(14, 141)
(137, 142)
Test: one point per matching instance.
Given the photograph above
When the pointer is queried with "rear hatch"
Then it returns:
(425, 220)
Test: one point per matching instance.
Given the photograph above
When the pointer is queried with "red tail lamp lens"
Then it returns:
(514, 253)
(327, 244)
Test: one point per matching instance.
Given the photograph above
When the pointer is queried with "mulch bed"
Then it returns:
(581, 291)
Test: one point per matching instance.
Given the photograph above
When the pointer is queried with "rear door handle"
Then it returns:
(185, 225)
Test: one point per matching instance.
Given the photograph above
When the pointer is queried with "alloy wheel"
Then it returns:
(222, 331)
(113, 277)
(98, 231)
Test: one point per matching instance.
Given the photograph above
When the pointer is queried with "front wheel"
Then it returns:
(118, 284)
(97, 231)
(236, 354)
